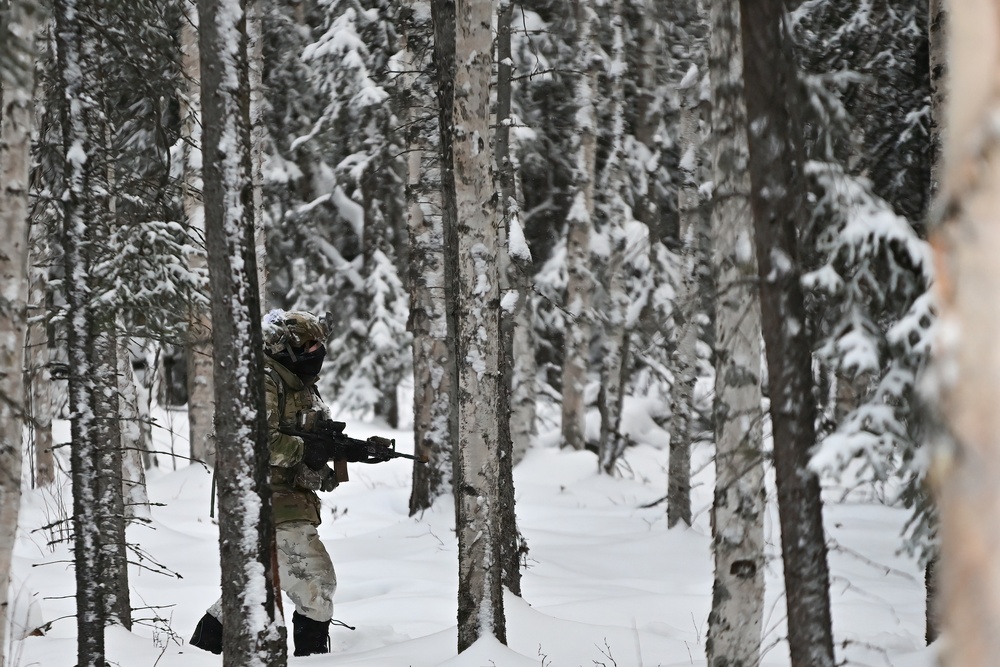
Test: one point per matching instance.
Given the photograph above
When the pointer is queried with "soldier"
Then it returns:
(294, 355)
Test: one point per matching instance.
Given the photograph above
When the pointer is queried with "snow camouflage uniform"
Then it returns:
(305, 569)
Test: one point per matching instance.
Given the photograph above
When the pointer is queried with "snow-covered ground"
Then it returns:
(606, 582)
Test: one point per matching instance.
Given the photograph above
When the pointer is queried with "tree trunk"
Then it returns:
(75, 58)
(133, 441)
(579, 221)
(433, 365)
(512, 288)
(616, 214)
(778, 203)
(967, 362)
(258, 138)
(16, 86)
(246, 528)
(938, 55)
(685, 356)
(200, 356)
(113, 565)
(472, 280)
(735, 623)
(39, 353)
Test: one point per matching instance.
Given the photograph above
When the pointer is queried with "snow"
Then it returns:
(606, 582)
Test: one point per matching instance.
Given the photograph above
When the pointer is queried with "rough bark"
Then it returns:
(246, 529)
(967, 360)
(735, 623)
(39, 353)
(200, 356)
(473, 281)
(75, 54)
(938, 54)
(113, 563)
(432, 360)
(513, 285)
(16, 87)
(615, 335)
(778, 204)
(133, 441)
(579, 222)
(684, 357)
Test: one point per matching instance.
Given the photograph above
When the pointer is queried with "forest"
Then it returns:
(769, 222)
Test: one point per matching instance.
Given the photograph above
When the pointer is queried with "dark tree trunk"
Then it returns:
(778, 204)
(246, 529)
(78, 144)
(443, 17)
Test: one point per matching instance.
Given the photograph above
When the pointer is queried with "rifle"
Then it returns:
(340, 447)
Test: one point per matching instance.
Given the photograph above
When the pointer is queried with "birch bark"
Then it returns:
(685, 354)
(16, 89)
(967, 360)
(579, 221)
(474, 279)
(433, 381)
(200, 355)
(735, 623)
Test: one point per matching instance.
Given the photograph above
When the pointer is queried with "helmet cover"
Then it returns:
(293, 329)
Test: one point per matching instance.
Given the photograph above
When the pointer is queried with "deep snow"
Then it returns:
(606, 582)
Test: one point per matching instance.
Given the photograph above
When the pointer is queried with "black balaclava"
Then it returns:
(306, 364)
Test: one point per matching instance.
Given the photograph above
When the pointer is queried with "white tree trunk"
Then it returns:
(615, 335)
(15, 160)
(734, 625)
(200, 355)
(937, 22)
(967, 361)
(579, 222)
(684, 359)
(38, 355)
(477, 288)
(524, 394)
(432, 356)
(133, 441)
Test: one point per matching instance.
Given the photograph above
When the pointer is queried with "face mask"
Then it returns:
(308, 364)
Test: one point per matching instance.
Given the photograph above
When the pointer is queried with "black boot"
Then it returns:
(311, 637)
(208, 634)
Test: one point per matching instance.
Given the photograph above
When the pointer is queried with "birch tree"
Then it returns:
(579, 223)
(777, 199)
(465, 59)
(17, 30)
(512, 293)
(616, 214)
(735, 623)
(432, 356)
(246, 528)
(685, 355)
(200, 356)
(966, 362)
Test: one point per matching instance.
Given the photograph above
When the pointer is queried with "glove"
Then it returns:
(313, 453)
(329, 480)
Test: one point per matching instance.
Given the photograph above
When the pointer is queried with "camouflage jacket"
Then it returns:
(286, 394)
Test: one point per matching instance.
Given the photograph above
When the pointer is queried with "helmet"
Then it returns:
(293, 329)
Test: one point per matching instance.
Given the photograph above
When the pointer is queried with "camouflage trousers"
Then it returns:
(305, 571)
